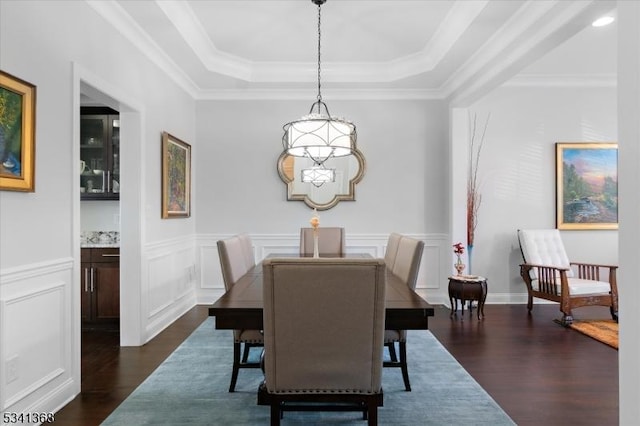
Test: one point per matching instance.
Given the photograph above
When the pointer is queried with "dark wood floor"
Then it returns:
(537, 371)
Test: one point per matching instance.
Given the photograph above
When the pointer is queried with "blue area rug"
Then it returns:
(191, 388)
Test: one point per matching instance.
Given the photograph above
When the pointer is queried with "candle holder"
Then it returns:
(316, 252)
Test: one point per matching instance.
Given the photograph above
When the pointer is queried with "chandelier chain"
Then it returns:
(319, 36)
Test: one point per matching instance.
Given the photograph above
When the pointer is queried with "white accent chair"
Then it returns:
(550, 275)
(323, 335)
(402, 257)
(330, 241)
(236, 259)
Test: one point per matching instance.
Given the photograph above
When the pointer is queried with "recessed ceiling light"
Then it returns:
(601, 22)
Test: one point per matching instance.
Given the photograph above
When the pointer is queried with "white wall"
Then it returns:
(49, 44)
(100, 215)
(405, 145)
(517, 174)
(629, 154)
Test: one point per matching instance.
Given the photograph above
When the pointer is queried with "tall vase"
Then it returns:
(469, 252)
(316, 252)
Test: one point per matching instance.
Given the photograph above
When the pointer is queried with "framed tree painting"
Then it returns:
(176, 177)
(586, 185)
(17, 134)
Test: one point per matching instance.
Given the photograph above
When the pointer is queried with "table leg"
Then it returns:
(482, 299)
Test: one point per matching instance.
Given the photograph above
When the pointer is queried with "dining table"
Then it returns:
(241, 306)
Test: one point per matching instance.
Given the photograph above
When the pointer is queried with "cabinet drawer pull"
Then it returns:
(111, 255)
(92, 274)
(86, 279)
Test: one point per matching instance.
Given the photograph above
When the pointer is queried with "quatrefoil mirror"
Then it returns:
(321, 187)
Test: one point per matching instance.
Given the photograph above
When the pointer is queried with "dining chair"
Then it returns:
(405, 266)
(236, 259)
(312, 362)
(330, 241)
(392, 250)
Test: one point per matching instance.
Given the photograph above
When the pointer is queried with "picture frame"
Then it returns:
(586, 185)
(17, 134)
(176, 177)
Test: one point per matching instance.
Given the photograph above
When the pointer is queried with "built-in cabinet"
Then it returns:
(99, 153)
(100, 285)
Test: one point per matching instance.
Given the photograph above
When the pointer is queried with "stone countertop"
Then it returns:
(99, 245)
(99, 239)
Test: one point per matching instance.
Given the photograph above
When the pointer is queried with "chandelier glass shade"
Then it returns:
(318, 135)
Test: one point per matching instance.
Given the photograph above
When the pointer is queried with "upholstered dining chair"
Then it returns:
(550, 275)
(330, 241)
(312, 362)
(402, 256)
(236, 259)
(392, 250)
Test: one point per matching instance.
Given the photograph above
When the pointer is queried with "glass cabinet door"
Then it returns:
(114, 177)
(99, 156)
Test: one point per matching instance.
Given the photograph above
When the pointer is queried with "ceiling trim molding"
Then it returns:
(459, 17)
(528, 16)
(532, 32)
(328, 94)
(563, 80)
(115, 15)
(190, 28)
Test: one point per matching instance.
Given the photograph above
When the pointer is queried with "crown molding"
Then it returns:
(328, 94)
(115, 15)
(525, 32)
(459, 17)
(529, 34)
(563, 80)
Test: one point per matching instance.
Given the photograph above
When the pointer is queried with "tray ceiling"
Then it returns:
(407, 48)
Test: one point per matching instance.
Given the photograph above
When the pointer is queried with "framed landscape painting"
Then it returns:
(586, 185)
(17, 134)
(176, 177)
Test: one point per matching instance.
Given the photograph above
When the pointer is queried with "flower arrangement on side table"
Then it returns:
(458, 250)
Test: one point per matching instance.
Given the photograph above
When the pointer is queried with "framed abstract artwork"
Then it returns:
(17, 134)
(586, 185)
(176, 177)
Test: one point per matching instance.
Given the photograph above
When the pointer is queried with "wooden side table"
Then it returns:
(467, 287)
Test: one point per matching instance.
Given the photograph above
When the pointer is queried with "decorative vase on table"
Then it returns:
(459, 266)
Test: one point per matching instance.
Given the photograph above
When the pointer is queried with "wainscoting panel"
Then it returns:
(36, 336)
(170, 287)
(432, 279)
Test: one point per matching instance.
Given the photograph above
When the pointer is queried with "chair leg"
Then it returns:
(566, 320)
(530, 303)
(275, 413)
(404, 367)
(392, 351)
(236, 366)
(245, 352)
(372, 414)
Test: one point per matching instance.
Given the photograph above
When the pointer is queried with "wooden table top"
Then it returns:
(241, 307)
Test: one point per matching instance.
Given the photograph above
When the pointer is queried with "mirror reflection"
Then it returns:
(321, 187)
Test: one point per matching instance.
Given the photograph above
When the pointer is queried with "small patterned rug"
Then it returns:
(605, 331)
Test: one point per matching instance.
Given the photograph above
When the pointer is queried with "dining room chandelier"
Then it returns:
(318, 135)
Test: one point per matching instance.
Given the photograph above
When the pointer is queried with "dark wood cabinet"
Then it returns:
(100, 152)
(100, 285)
